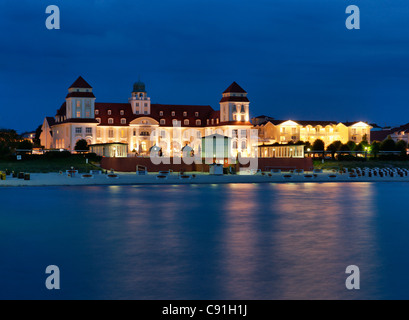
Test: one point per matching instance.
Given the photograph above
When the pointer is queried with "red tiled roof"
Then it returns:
(235, 123)
(80, 95)
(116, 109)
(380, 135)
(205, 113)
(80, 83)
(234, 88)
(51, 121)
(78, 120)
(63, 110)
(234, 99)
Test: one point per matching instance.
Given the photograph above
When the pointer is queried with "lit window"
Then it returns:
(78, 114)
(78, 103)
(110, 133)
(110, 121)
(208, 121)
(123, 121)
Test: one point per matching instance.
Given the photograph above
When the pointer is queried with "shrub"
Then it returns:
(57, 154)
(93, 157)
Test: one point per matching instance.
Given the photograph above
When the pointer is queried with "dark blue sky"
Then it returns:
(294, 57)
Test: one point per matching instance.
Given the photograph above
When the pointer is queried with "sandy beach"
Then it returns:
(55, 179)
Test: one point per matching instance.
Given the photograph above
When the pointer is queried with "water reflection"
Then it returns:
(244, 241)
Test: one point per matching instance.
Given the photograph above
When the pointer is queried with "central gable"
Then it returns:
(144, 121)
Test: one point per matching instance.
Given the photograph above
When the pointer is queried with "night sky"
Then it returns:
(295, 58)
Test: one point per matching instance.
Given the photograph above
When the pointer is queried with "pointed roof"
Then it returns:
(80, 83)
(235, 88)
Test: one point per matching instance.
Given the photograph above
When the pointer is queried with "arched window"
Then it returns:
(162, 121)
(123, 121)
(198, 122)
(98, 119)
(110, 121)
(186, 122)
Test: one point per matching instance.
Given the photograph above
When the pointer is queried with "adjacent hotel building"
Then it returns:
(139, 125)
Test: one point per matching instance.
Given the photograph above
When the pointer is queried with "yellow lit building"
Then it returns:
(283, 132)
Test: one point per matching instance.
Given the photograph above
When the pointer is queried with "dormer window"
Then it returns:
(196, 114)
(208, 121)
(212, 121)
(198, 122)
(122, 112)
(185, 114)
(217, 120)
(123, 121)
(173, 113)
(96, 112)
(110, 121)
(161, 113)
(186, 122)
(98, 119)
(109, 112)
(162, 122)
(174, 122)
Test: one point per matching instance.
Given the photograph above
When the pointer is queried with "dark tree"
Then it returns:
(351, 145)
(375, 148)
(318, 145)
(25, 145)
(334, 147)
(81, 145)
(36, 140)
(388, 145)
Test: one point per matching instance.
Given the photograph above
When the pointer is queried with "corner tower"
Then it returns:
(140, 102)
(80, 100)
(234, 105)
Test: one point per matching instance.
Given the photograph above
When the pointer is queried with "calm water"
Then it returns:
(252, 241)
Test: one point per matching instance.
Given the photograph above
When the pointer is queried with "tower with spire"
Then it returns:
(140, 102)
